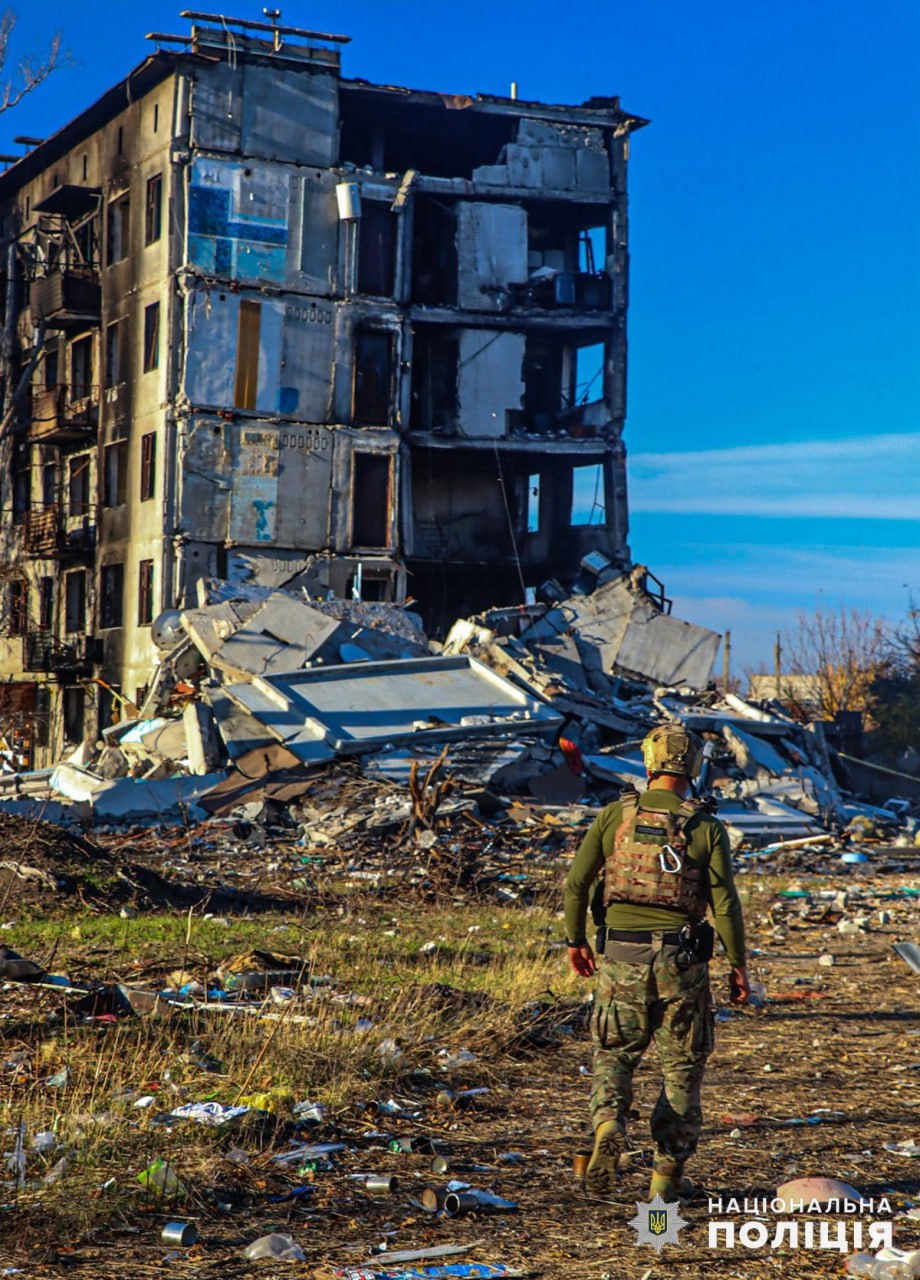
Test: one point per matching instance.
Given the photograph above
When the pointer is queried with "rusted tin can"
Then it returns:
(433, 1198)
(580, 1163)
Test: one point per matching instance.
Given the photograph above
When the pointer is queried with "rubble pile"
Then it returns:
(262, 694)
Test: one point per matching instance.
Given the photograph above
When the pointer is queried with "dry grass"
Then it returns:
(482, 986)
(371, 981)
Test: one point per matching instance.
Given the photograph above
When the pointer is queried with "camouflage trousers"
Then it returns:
(637, 1000)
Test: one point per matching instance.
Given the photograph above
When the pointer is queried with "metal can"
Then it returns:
(380, 1184)
(457, 1203)
(182, 1233)
(440, 1165)
(580, 1164)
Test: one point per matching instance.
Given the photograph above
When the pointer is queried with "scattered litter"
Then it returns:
(277, 1246)
(208, 1113)
(909, 1147)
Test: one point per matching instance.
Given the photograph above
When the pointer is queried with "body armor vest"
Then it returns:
(648, 864)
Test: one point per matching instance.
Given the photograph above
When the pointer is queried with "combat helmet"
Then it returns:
(669, 748)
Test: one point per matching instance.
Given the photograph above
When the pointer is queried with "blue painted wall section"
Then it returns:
(238, 220)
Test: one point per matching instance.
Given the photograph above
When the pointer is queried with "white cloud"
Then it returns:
(868, 477)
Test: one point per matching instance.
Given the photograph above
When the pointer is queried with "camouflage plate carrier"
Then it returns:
(648, 863)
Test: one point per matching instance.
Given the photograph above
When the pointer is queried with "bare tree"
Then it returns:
(30, 71)
(844, 650)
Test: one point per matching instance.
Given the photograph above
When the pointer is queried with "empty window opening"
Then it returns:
(78, 486)
(377, 249)
(112, 590)
(373, 371)
(369, 585)
(74, 713)
(86, 240)
(589, 505)
(592, 249)
(115, 475)
(435, 361)
(566, 260)
(148, 466)
(75, 600)
(108, 705)
(156, 116)
(247, 354)
(85, 167)
(145, 593)
(118, 229)
(153, 209)
(121, 139)
(49, 484)
(115, 362)
(22, 486)
(589, 374)
(46, 604)
(81, 368)
(52, 366)
(533, 504)
(542, 384)
(18, 607)
(151, 337)
(371, 498)
(434, 253)
(42, 715)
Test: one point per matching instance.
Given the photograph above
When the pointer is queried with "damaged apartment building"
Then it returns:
(262, 320)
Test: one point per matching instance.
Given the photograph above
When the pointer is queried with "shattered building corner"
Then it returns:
(262, 321)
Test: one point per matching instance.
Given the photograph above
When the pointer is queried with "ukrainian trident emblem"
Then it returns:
(657, 1223)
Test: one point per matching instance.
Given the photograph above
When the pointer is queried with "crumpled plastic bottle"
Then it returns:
(277, 1246)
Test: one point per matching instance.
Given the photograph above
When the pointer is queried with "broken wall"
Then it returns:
(257, 483)
(490, 380)
(266, 113)
(549, 156)
(492, 253)
(263, 223)
(270, 354)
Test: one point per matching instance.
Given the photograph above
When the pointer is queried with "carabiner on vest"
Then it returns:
(670, 861)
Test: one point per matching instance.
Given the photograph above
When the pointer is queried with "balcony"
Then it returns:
(68, 298)
(51, 533)
(43, 652)
(65, 416)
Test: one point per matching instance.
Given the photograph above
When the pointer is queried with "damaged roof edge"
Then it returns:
(602, 112)
(144, 77)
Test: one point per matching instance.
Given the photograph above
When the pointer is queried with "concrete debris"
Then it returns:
(541, 708)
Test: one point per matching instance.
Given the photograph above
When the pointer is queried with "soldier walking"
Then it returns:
(665, 859)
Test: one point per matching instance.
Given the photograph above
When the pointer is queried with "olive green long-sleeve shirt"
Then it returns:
(707, 845)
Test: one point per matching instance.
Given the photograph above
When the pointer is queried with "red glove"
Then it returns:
(582, 960)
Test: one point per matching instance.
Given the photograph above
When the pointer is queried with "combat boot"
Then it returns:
(601, 1173)
(668, 1180)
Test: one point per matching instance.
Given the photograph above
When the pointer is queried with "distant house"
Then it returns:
(797, 691)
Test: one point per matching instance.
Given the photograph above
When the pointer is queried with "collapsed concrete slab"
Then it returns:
(619, 629)
(349, 710)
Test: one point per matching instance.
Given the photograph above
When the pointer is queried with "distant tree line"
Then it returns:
(847, 659)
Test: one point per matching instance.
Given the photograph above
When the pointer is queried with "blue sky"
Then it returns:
(773, 428)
